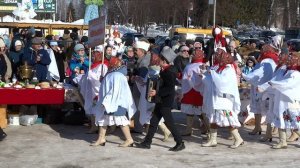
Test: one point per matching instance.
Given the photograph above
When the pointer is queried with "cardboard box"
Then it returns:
(3, 116)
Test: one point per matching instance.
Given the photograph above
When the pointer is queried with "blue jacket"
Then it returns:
(75, 63)
(41, 66)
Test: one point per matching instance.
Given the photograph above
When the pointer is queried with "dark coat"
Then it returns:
(180, 63)
(60, 58)
(15, 59)
(166, 90)
(3, 67)
(41, 66)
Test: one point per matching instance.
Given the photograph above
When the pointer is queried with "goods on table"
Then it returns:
(42, 85)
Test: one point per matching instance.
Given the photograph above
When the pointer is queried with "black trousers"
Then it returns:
(158, 113)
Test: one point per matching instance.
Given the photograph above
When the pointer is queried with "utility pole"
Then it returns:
(215, 8)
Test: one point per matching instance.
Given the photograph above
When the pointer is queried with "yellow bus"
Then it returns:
(189, 33)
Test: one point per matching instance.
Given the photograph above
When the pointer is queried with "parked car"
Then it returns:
(294, 44)
(129, 38)
(258, 42)
(160, 40)
(292, 33)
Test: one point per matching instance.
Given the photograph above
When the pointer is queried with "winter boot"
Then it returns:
(237, 138)
(257, 128)
(212, 142)
(268, 136)
(165, 130)
(101, 139)
(282, 143)
(189, 125)
(129, 140)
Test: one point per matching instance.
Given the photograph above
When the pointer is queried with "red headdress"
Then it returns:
(114, 62)
(268, 51)
(294, 61)
(198, 56)
(217, 33)
(225, 58)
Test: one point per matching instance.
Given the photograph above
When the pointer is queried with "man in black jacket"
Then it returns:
(165, 97)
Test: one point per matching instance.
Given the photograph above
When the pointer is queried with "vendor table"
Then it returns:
(31, 96)
(13, 96)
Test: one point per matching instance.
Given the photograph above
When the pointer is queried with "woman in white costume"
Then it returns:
(286, 84)
(116, 105)
(262, 73)
(192, 100)
(90, 85)
(221, 101)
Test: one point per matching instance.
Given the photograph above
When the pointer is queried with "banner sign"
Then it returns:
(39, 6)
(96, 32)
(44, 6)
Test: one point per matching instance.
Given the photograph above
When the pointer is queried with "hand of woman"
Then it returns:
(152, 93)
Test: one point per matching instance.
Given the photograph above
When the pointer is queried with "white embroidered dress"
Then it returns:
(262, 73)
(287, 100)
(221, 100)
(114, 94)
(189, 82)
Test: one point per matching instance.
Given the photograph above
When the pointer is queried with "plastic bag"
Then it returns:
(27, 120)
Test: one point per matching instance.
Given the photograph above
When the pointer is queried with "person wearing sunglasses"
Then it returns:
(182, 60)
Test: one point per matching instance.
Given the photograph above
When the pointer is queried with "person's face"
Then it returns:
(130, 53)
(139, 52)
(2, 49)
(232, 47)
(185, 53)
(80, 52)
(108, 51)
(219, 51)
(36, 46)
(54, 47)
(293, 61)
(253, 45)
(198, 46)
(18, 47)
(283, 58)
(96, 57)
(250, 63)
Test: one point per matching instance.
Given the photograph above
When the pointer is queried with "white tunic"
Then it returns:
(221, 101)
(287, 99)
(90, 85)
(262, 73)
(189, 81)
(114, 93)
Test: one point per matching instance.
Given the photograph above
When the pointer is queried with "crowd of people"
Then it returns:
(140, 81)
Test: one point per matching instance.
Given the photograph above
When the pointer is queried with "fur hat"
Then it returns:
(142, 45)
(18, 42)
(37, 40)
(168, 54)
(78, 47)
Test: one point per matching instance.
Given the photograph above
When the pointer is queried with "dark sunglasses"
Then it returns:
(198, 48)
(185, 51)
